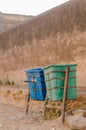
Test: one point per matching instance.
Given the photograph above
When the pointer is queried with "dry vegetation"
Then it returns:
(54, 108)
(56, 36)
(8, 21)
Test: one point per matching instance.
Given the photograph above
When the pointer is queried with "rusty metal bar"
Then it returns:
(65, 94)
(39, 82)
(59, 71)
(60, 78)
(59, 87)
(28, 100)
(27, 81)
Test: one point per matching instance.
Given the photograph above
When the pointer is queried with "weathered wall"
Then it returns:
(56, 36)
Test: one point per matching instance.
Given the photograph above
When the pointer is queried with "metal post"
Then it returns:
(28, 100)
(65, 93)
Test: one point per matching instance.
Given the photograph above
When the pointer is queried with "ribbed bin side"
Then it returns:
(36, 84)
(54, 78)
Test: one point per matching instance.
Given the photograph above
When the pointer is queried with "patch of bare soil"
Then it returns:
(13, 115)
(14, 118)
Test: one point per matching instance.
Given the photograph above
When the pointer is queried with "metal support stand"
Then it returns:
(28, 100)
(65, 94)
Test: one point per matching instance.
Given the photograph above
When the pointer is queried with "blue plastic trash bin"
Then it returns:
(36, 83)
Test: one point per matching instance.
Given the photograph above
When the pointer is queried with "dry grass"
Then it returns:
(57, 36)
(54, 108)
(80, 102)
(62, 19)
(8, 21)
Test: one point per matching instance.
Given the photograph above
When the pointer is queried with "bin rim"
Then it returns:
(59, 65)
(33, 70)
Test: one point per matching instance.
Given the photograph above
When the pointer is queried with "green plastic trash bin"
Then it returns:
(54, 79)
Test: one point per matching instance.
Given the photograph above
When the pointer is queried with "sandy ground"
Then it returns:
(14, 118)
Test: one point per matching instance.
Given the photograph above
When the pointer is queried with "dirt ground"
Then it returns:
(14, 117)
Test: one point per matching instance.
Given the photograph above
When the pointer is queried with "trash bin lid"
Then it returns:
(34, 70)
(59, 65)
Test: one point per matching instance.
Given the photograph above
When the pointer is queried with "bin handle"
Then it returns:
(30, 81)
(27, 81)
